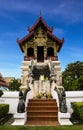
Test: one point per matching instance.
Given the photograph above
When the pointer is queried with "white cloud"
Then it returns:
(70, 11)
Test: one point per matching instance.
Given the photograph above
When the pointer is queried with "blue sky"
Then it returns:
(66, 16)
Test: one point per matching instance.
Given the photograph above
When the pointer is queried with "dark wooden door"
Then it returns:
(40, 54)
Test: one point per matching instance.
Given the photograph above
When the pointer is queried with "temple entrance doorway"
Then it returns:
(40, 53)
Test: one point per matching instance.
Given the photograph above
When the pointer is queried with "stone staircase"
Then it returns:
(40, 70)
(42, 112)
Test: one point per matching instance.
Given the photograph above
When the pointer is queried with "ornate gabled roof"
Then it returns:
(24, 39)
(40, 19)
(60, 42)
(48, 30)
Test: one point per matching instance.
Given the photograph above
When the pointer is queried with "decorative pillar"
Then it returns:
(35, 51)
(45, 52)
(25, 71)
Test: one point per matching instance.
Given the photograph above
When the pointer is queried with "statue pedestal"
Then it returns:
(19, 119)
(64, 118)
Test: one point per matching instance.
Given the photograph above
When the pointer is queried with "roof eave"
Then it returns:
(20, 45)
(60, 45)
(60, 42)
(23, 40)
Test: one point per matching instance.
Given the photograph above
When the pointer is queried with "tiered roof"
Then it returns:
(2, 81)
(49, 30)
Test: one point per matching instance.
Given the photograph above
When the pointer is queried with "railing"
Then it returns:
(53, 58)
(61, 94)
(28, 58)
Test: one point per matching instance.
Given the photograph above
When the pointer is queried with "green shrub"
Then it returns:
(78, 109)
(4, 109)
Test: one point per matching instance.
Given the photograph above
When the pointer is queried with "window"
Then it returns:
(50, 51)
(30, 51)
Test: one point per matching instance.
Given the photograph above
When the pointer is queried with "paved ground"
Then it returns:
(10, 121)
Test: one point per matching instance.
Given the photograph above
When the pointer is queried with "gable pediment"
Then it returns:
(40, 36)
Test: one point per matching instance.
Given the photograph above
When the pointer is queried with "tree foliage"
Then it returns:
(14, 85)
(73, 76)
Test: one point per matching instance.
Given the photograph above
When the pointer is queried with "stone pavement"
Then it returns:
(10, 121)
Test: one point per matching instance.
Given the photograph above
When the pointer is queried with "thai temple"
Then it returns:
(41, 74)
(3, 84)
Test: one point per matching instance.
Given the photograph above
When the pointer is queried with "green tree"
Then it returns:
(14, 85)
(72, 76)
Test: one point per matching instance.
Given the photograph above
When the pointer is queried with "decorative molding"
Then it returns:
(40, 38)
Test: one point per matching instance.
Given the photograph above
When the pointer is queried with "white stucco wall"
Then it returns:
(73, 96)
(12, 99)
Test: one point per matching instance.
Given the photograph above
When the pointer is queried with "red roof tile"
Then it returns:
(2, 81)
(24, 39)
(57, 40)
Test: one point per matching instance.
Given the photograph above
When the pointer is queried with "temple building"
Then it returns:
(41, 48)
(41, 73)
(3, 84)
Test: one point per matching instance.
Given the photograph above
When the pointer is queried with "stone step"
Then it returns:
(42, 117)
(46, 113)
(42, 123)
(42, 112)
(38, 110)
(42, 103)
(42, 108)
(42, 100)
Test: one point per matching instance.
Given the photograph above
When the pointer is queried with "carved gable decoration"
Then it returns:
(40, 37)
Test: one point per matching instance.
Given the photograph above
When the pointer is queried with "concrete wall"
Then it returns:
(73, 96)
(12, 99)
